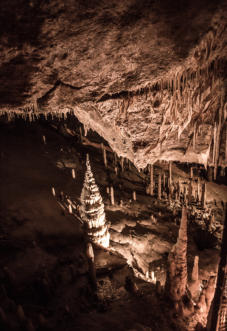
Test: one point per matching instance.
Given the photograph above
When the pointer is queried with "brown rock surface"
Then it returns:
(146, 75)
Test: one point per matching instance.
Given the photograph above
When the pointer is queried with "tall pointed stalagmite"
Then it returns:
(92, 210)
(217, 320)
(176, 281)
(151, 179)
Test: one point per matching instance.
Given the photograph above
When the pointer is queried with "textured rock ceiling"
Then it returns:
(149, 76)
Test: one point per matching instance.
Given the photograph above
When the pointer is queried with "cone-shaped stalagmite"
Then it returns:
(92, 210)
(217, 320)
(177, 270)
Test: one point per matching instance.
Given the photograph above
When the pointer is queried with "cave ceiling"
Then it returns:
(148, 76)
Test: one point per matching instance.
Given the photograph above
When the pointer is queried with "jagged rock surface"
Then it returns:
(148, 76)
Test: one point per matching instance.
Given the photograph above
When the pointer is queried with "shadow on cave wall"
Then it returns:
(184, 21)
(15, 78)
(20, 24)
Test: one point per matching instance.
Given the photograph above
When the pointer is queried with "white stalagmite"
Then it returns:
(134, 195)
(53, 191)
(92, 210)
(112, 195)
(73, 174)
(44, 139)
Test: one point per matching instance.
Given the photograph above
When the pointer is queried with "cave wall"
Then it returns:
(148, 76)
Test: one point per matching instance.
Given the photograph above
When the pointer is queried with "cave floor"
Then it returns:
(42, 256)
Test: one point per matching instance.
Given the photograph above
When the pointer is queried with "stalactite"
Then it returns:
(73, 174)
(53, 191)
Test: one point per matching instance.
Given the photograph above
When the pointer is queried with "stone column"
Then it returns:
(203, 195)
(151, 179)
(112, 195)
(91, 264)
(159, 186)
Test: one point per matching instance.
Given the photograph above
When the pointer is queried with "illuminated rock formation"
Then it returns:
(92, 210)
(177, 270)
(218, 313)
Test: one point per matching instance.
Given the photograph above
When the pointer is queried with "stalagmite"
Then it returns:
(199, 189)
(104, 155)
(20, 313)
(203, 195)
(151, 179)
(112, 195)
(191, 172)
(190, 192)
(226, 145)
(194, 283)
(53, 191)
(134, 195)
(73, 174)
(44, 140)
(217, 319)
(195, 270)
(91, 264)
(122, 163)
(81, 134)
(170, 173)
(176, 281)
(159, 186)
(92, 210)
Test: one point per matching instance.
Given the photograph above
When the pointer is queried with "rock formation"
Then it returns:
(133, 71)
(177, 270)
(92, 210)
(218, 313)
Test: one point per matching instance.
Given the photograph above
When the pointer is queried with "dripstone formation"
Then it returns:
(92, 210)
